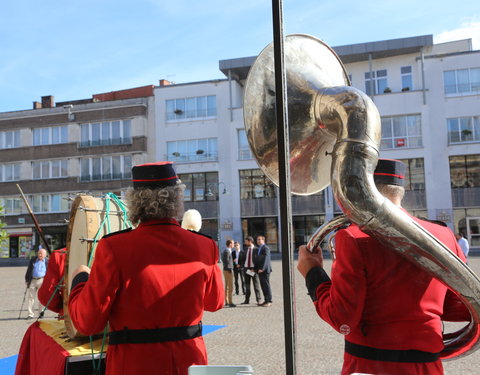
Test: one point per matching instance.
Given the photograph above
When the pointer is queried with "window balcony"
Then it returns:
(466, 197)
(190, 157)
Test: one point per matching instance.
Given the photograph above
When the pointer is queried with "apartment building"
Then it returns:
(55, 151)
(427, 95)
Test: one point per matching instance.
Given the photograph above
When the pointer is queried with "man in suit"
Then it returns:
(237, 268)
(249, 272)
(263, 267)
(228, 265)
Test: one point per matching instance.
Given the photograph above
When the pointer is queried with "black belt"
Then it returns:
(149, 336)
(388, 355)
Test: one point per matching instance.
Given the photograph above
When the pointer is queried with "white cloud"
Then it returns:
(468, 30)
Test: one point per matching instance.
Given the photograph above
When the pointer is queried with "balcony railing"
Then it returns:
(466, 197)
(105, 142)
(106, 177)
(192, 157)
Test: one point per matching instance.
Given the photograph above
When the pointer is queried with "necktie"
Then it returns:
(249, 258)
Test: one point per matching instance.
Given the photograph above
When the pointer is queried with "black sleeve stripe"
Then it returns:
(79, 278)
(315, 277)
(117, 232)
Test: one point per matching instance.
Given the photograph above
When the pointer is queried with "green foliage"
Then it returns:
(3, 232)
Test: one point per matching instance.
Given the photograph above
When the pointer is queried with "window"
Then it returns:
(407, 80)
(50, 203)
(194, 108)
(401, 132)
(9, 172)
(49, 169)
(105, 168)
(10, 139)
(377, 82)
(200, 186)
(244, 152)
(463, 129)
(106, 133)
(50, 136)
(414, 174)
(461, 81)
(11, 206)
(465, 171)
(192, 150)
(254, 185)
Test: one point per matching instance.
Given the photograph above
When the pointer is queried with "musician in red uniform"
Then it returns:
(151, 284)
(389, 310)
(50, 293)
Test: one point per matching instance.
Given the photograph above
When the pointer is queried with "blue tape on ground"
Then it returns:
(8, 364)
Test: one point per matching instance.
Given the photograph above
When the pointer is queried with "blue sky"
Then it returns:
(72, 49)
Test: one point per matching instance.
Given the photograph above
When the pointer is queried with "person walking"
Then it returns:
(36, 270)
(227, 261)
(251, 277)
(263, 267)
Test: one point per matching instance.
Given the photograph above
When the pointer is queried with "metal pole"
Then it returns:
(284, 189)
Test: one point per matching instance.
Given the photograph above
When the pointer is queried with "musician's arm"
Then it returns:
(214, 290)
(91, 299)
(339, 301)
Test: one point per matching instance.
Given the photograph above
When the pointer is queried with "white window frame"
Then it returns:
(377, 81)
(244, 151)
(406, 73)
(193, 150)
(191, 108)
(15, 134)
(467, 129)
(104, 163)
(11, 169)
(46, 136)
(46, 168)
(401, 141)
(105, 133)
(457, 89)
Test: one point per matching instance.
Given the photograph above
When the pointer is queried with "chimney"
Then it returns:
(164, 82)
(48, 102)
(37, 105)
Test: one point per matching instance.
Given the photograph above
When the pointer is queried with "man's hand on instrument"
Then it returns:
(308, 260)
(79, 269)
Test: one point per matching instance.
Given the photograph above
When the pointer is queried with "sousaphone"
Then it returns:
(335, 133)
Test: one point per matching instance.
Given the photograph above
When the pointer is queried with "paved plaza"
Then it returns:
(252, 335)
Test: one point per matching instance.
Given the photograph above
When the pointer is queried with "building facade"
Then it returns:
(427, 95)
(55, 151)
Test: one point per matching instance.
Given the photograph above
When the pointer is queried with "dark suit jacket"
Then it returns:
(241, 258)
(262, 259)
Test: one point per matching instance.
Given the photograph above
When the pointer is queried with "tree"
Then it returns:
(3, 232)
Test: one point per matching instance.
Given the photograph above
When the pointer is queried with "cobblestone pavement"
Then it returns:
(252, 335)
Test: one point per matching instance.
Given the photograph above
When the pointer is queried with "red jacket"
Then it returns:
(379, 299)
(51, 281)
(155, 276)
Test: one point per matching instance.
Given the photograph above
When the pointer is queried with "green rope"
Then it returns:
(96, 368)
(125, 223)
(57, 288)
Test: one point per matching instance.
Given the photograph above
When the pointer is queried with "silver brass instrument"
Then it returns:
(335, 127)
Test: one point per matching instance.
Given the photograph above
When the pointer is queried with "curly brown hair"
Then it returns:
(146, 204)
